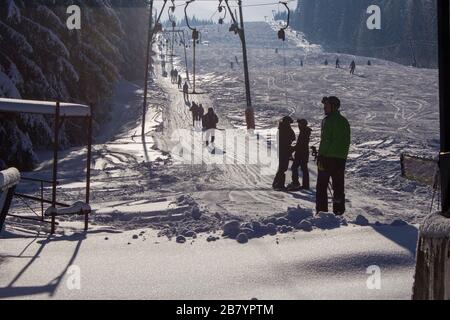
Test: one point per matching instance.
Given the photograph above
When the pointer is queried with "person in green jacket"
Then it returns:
(332, 157)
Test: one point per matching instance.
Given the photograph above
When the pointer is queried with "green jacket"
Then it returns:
(335, 138)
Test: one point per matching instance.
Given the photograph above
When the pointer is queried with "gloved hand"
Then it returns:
(320, 165)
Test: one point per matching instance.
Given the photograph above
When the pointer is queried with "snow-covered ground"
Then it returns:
(171, 184)
(319, 265)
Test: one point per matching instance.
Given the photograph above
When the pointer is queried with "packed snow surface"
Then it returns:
(332, 264)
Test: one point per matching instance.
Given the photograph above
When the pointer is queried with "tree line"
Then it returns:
(408, 32)
(40, 58)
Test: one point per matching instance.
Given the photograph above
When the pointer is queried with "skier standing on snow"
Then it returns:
(200, 112)
(333, 153)
(352, 67)
(326, 62)
(194, 111)
(180, 82)
(210, 121)
(285, 138)
(175, 76)
(186, 91)
(301, 157)
(338, 64)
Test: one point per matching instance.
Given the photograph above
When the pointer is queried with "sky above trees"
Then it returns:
(205, 9)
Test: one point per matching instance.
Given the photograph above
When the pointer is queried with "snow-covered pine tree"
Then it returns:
(134, 16)
(340, 25)
(41, 59)
(16, 68)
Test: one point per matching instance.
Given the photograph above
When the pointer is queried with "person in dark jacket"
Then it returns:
(352, 67)
(332, 157)
(194, 110)
(180, 82)
(301, 157)
(210, 121)
(186, 91)
(200, 112)
(175, 76)
(286, 136)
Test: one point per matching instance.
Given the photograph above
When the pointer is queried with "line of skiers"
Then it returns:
(331, 159)
(176, 78)
(338, 64)
(352, 65)
(207, 122)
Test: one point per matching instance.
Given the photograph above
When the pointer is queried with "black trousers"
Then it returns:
(302, 163)
(283, 166)
(333, 168)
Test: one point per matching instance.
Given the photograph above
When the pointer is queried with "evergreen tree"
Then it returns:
(41, 59)
(408, 28)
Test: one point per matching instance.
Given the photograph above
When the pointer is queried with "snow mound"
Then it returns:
(436, 225)
(294, 219)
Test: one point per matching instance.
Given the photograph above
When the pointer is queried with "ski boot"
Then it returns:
(280, 188)
(294, 187)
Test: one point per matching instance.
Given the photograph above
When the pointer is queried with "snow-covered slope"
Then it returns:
(391, 108)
